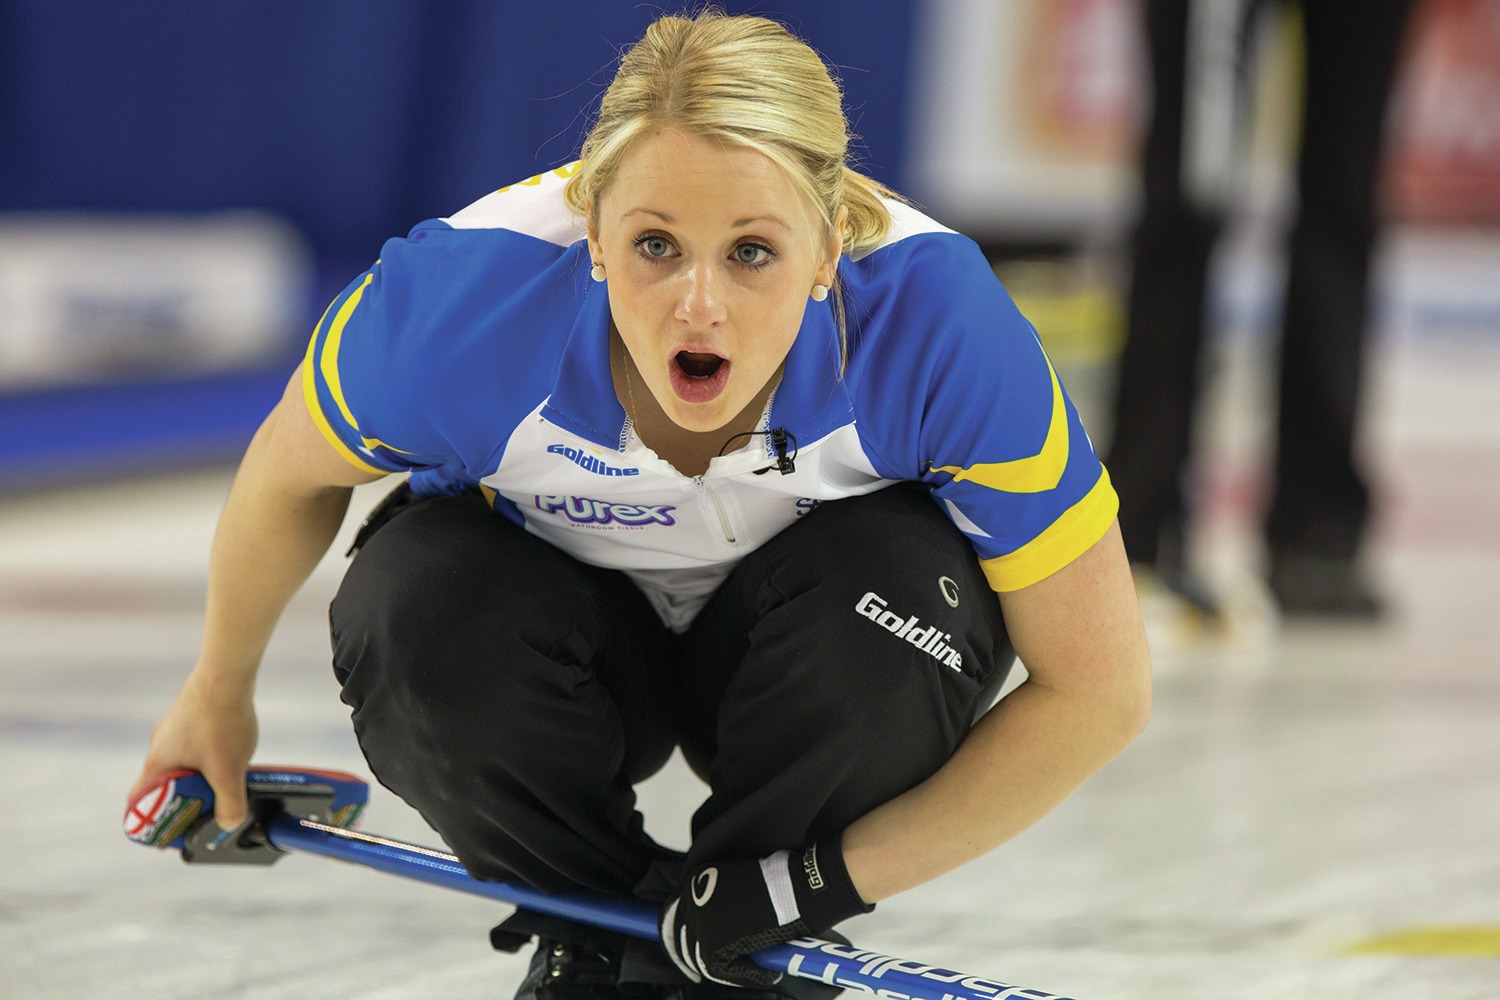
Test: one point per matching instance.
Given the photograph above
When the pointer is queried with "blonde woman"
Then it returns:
(710, 443)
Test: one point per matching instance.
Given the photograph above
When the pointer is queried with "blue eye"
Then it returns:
(753, 254)
(655, 247)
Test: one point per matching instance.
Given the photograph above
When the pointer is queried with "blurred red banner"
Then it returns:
(1444, 156)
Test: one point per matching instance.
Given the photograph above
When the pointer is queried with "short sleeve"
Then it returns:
(376, 363)
(989, 425)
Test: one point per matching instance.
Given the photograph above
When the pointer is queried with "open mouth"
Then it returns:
(698, 366)
(699, 377)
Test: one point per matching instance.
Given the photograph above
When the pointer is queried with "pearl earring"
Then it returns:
(597, 273)
(819, 292)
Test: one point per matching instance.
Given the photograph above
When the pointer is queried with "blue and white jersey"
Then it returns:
(475, 353)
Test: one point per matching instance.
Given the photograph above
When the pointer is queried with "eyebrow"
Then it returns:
(737, 223)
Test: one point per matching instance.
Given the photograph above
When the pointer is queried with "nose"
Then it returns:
(700, 303)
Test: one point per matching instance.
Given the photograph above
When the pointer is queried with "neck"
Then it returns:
(687, 451)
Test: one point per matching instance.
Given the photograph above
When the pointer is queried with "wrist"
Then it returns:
(219, 686)
(825, 893)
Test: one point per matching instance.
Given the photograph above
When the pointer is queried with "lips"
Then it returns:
(698, 376)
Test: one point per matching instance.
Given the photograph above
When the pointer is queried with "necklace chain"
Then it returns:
(629, 386)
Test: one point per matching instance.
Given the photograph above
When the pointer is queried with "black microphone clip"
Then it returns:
(785, 464)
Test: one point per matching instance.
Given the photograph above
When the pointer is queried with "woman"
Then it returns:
(711, 443)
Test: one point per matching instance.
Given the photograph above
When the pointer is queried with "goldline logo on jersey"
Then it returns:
(590, 463)
(586, 510)
(930, 640)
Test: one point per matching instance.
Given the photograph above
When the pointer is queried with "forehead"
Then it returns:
(679, 175)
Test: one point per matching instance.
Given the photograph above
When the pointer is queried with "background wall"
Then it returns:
(271, 148)
(184, 186)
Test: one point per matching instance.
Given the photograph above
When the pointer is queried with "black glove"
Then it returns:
(728, 910)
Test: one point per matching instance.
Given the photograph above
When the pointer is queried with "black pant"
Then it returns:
(513, 695)
(1320, 500)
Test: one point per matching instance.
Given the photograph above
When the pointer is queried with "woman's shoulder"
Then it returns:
(924, 286)
(907, 221)
(534, 207)
(500, 243)
(919, 263)
(457, 326)
(503, 272)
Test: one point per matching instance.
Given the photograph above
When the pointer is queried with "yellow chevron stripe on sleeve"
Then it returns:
(1036, 474)
(315, 409)
(328, 362)
(1064, 540)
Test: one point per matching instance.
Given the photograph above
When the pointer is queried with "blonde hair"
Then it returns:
(742, 80)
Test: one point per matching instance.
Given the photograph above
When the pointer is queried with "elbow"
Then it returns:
(1122, 703)
(1138, 714)
(1113, 710)
(1133, 699)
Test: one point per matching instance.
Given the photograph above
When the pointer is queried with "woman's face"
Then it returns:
(710, 252)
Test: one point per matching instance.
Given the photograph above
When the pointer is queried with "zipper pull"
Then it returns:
(702, 489)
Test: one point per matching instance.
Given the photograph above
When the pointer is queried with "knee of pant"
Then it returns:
(450, 571)
(416, 558)
(895, 516)
(894, 540)
(414, 593)
(447, 689)
(880, 720)
(893, 648)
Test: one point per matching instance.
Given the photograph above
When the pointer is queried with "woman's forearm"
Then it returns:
(271, 534)
(1018, 763)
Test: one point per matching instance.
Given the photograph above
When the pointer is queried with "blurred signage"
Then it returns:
(100, 298)
(1444, 164)
(1026, 115)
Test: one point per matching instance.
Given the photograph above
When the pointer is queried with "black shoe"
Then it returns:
(1193, 592)
(571, 961)
(572, 971)
(1324, 587)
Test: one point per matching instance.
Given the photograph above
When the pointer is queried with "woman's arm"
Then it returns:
(288, 501)
(1080, 635)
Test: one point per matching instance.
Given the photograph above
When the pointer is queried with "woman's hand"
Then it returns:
(210, 727)
(726, 911)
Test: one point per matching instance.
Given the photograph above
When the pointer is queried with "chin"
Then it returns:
(702, 419)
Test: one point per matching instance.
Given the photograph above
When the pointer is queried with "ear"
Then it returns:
(834, 247)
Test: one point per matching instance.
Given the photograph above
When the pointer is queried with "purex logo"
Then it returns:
(585, 510)
(592, 463)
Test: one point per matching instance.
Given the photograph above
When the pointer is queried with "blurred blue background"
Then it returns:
(353, 119)
(350, 120)
(184, 186)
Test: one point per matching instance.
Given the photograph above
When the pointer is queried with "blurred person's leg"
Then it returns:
(1159, 366)
(1321, 501)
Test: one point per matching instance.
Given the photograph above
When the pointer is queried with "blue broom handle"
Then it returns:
(807, 958)
(288, 833)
